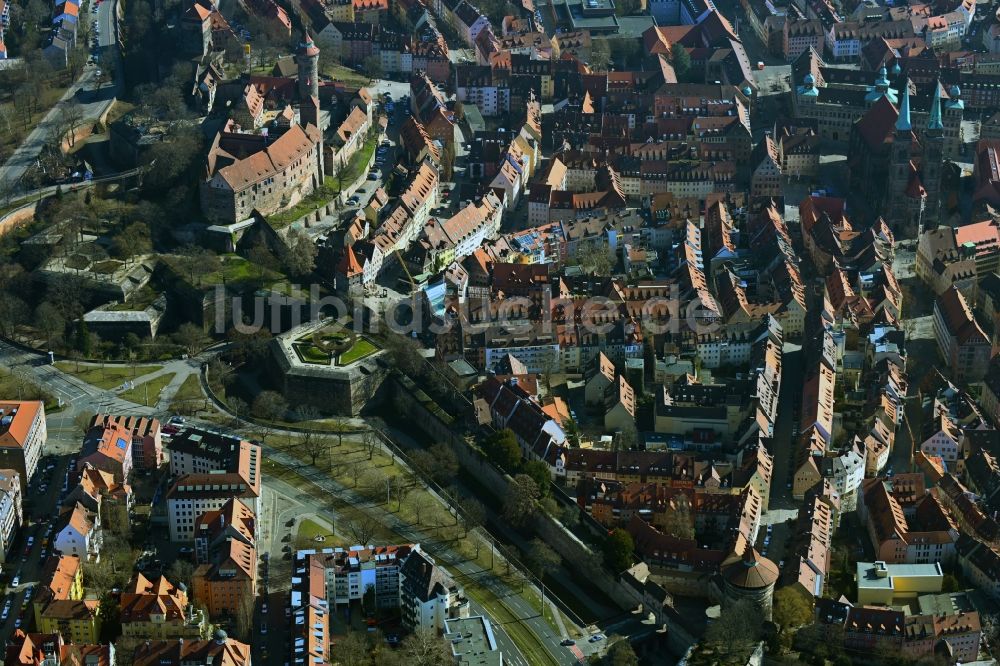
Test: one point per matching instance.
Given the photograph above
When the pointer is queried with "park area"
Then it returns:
(335, 346)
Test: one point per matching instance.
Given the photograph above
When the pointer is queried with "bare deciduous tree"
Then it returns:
(362, 529)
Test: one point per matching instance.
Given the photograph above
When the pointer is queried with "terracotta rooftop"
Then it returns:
(15, 422)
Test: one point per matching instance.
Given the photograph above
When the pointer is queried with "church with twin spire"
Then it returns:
(895, 167)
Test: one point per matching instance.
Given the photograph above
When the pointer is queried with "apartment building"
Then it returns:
(156, 609)
(942, 262)
(229, 581)
(59, 604)
(220, 650)
(980, 564)
(22, 436)
(961, 341)
(349, 572)
(309, 622)
(78, 532)
(100, 494)
(10, 510)
(765, 169)
(428, 596)
(463, 233)
(921, 533)
(194, 451)
(40, 649)
(212, 529)
(109, 448)
(195, 494)
(147, 438)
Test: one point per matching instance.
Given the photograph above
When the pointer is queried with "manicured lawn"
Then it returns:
(316, 200)
(148, 390)
(190, 389)
(107, 377)
(341, 73)
(359, 161)
(24, 388)
(237, 270)
(310, 353)
(360, 349)
(309, 530)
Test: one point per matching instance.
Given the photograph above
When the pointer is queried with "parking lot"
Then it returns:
(32, 543)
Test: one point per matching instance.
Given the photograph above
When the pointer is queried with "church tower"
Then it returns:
(933, 151)
(307, 59)
(899, 163)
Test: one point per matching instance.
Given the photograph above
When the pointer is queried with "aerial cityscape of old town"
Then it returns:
(484, 332)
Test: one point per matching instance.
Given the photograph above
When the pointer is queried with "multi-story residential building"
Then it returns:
(482, 87)
(470, 22)
(961, 341)
(980, 565)
(961, 631)
(350, 135)
(109, 448)
(310, 626)
(799, 35)
(212, 529)
(147, 442)
(765, 169)
(220, 650)
(248, 172)
(227, 583)
(428, 596)
(928, 537)
(512, 407)
(463, 233)
(99, 493)
(194, 451)
(195, 494)
(10, 509)
(798, 147)
(59, 604)
(78, 532)
(983, 238)
(809, 565)
(942, 262)
(349, 573)
(991, 391)
(22, 436)
(38, 649)
(159, 610)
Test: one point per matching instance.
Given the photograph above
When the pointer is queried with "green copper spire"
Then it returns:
(903, 122)
(934, 123)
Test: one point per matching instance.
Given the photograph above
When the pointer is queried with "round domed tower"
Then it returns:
(220, 636)
(955, 101)
(749, 576)
(307, 58)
